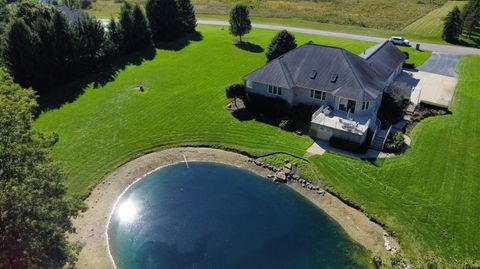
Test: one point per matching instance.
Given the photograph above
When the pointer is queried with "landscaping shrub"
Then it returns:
(287, 125)
(391, 109)
(304, 112)
(394, 143)
(274, 107)
(426, 110)
(235, 91)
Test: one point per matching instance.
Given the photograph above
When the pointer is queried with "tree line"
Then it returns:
(42, 49)
(465, 21)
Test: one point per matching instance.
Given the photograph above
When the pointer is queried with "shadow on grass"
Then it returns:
(69, 92)
(180, 43)
(248, 46)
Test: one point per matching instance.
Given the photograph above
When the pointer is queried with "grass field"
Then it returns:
(429, 196)
(430, 27)
(183, 104)
(382, 14)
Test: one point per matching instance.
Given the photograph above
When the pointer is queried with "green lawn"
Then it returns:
(182, 105)
(430, 27)
(430, 196)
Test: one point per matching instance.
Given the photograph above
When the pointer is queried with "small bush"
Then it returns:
(377, 262)
(394, 143)
(304, 112)
(391, 109)
(274, 107)
(425, 110)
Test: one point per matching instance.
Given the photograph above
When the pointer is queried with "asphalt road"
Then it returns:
(444, 49)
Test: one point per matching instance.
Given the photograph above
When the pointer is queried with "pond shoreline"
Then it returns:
(91, 226)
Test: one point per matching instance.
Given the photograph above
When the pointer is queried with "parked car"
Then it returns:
(399, 41)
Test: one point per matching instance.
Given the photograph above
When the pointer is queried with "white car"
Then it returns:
(399, 41)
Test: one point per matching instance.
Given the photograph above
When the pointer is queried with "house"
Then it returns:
(347, 88)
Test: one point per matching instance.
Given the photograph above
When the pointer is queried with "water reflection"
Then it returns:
(127, 211)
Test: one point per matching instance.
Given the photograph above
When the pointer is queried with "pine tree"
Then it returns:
(114, 37)
(19, 51)
(164, 19)
(282, 43)
(141, 32)
(240, 24)
(452, 27)
(126, 28)
(88, 35)
(471, 17)
(187, 15)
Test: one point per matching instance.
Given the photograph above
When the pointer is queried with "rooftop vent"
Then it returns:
(333, 78)
(313, 74)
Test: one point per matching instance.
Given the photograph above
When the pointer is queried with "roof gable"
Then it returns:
(385, 59)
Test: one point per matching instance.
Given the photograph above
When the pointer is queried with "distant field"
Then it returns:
(384, 14)
(431, 25)
(429, 196)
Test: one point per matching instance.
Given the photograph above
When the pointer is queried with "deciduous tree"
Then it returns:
(240, 24)
(35, 213)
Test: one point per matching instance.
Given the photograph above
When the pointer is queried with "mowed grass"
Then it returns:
(183, 104)
(431, 26)
(429, 196)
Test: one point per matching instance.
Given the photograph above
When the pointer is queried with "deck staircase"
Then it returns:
(379, 140)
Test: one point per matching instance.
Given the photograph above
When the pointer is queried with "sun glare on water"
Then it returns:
(127, 211)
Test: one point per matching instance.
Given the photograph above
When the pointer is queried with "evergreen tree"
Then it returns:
(471, 16)
(187, 15)
(114, 39)
(88, 35)
(452, 27)
(126, 28)
(141, 32)
(282, 43)
(35, 213)
(19, 50)
(240, 24)
(164, 19)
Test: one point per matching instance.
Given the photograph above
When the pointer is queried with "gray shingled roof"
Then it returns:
(385, 59)
(356, 78)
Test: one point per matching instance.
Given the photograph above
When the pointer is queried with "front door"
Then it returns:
(351, 106)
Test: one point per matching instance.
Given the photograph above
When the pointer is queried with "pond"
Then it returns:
(210, 215)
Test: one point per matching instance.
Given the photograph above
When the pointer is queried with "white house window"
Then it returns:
(274, 90)
(365, 105)
(248, 83)
(318, 95)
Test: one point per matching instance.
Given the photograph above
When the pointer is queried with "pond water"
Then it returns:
(212, 215)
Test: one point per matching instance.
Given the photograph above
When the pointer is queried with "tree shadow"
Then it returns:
(180, 43)
(248, 46)
(69, 92)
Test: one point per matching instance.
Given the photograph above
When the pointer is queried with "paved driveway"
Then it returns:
(428, 87)
(440, 63)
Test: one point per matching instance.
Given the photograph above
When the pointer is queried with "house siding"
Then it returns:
(262, 89)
